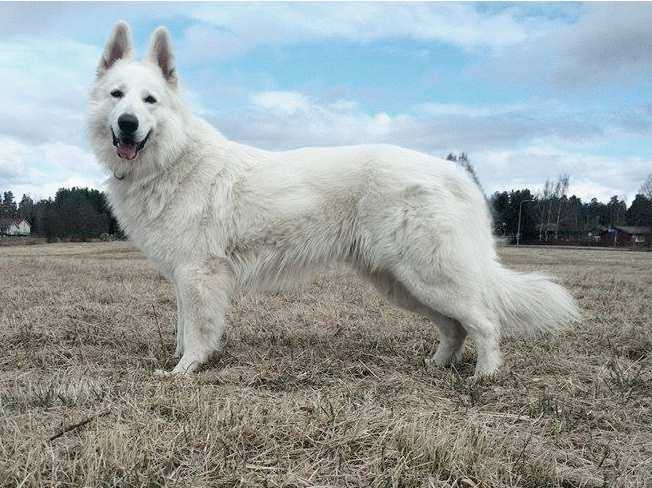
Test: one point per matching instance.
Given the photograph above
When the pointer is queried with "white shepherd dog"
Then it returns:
(212, 214)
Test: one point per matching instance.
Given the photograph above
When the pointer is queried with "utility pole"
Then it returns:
(518, 230)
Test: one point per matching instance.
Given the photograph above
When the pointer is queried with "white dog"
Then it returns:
(212, 214)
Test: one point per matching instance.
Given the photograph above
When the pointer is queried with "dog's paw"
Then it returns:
(430, 363)
(441, 361)
(487, 377)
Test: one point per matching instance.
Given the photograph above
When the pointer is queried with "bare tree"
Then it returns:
(646, 187)
(463, 160)
(543, 210)
(552, 201)
(562, 186)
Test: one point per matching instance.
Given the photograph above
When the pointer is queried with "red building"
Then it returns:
(627, 235)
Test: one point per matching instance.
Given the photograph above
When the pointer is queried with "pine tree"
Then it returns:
(9, 208)
(26, 209)
(640, 211)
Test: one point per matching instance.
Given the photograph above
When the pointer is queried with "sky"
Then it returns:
(529, 91)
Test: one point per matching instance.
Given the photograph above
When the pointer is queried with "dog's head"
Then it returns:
(136, 118)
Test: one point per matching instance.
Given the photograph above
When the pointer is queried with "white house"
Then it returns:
(15, 227)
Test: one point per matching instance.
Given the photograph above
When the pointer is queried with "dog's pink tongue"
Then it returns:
(127, 151)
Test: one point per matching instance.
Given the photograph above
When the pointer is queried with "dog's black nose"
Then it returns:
(128, 123)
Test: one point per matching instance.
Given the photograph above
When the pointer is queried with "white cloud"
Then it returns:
(44, 88)
(283, 119)
(563, 43)
(12, 159)
(446, 109)
(590, 175)
(201, 42)
(280, 120)
(509, 146)
(42, 131)
(45, 76)
(230, 29)
(41, 169)
(283, 102)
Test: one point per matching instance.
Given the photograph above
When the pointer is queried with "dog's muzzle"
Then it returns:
(126, 148)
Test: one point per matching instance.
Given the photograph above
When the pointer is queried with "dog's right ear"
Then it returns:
(119, 46)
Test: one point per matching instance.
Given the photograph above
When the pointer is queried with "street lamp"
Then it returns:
(518, 230)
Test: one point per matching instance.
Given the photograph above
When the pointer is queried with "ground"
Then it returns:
(324, 387)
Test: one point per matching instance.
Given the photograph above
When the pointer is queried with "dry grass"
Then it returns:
(21, 240)
(320, 388)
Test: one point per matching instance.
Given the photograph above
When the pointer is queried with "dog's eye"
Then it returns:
(149, 99)
(117, 94)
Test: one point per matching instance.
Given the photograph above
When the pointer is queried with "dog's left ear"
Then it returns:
(160, 53)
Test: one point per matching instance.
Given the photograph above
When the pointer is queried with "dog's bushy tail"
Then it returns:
(531, 304)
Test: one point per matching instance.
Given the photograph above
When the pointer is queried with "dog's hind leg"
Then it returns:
(451, 333)
(467, 316)
(451, 342)
(204, 294)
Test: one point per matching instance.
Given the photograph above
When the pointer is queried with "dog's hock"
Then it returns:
(119, 46)
(160, 53)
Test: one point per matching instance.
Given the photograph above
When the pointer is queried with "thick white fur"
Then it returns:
(212, 215)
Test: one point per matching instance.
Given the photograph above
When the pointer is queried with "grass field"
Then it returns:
(324, 387)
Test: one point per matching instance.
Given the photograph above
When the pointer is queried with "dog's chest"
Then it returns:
(164, 225)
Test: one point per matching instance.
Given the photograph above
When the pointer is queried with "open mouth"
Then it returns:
(128, 149)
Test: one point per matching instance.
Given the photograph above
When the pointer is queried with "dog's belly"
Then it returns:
(287, 252)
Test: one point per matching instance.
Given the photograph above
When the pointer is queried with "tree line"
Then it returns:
(549, 215)
(552, 215)
(73, 213)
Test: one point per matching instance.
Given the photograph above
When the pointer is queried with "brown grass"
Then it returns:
(320, 388)
(21, 240)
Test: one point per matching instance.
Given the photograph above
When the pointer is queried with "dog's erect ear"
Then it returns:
(160, 53)
(119, 46)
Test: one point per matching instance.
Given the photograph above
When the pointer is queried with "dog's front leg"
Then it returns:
(203, 293)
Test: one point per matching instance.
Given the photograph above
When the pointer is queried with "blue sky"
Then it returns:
(529, 91)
